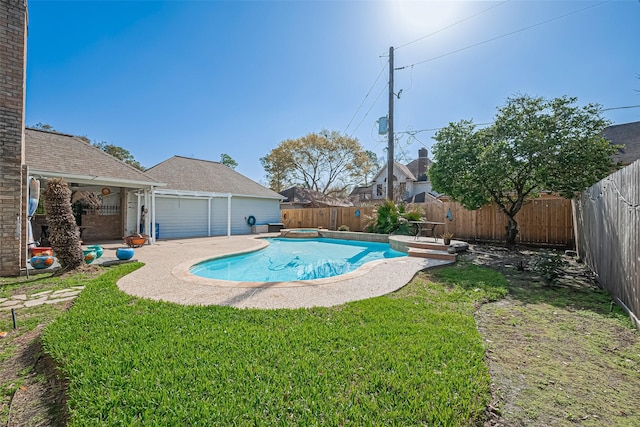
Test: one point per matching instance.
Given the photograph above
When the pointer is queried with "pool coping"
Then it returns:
(162, 277)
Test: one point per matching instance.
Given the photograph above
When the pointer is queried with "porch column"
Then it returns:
(229, 215)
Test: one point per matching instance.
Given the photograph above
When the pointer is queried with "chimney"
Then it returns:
(423, 153)
(13, 37)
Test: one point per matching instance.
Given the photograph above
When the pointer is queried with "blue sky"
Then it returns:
(202, 78)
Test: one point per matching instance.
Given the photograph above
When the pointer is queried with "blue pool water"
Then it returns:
(286, 260)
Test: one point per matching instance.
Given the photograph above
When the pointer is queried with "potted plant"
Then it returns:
(446, 237)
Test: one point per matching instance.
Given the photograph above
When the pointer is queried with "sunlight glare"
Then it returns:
(413, 19)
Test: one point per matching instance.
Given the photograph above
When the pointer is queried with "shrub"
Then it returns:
(548, 264)
(343, 228)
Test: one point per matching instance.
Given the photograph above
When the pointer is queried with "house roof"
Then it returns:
(627, 134)
(305, 196)
(195, 175)
(419, 166)
(397, 166)
(55, 154)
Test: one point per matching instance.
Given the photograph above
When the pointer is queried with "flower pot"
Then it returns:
(89, 255)
(124, 253)
(40, 251)
(98, 249)
(41, 261)
(135, 241)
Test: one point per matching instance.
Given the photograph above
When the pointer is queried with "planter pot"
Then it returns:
(89, 255)
(135, 241)
(40, 251)
(98, 249)
(124, 253)
(41, 261)
(447, 241)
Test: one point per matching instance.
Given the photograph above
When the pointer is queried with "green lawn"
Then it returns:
(413, 357)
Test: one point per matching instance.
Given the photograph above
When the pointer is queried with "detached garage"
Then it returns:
(205, 198)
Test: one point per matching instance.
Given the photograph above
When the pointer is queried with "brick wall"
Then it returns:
(13, 22)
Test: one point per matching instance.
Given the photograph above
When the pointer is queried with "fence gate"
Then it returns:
(333, 219)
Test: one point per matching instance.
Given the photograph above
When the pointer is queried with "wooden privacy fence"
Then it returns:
(543, 221)
(608, 234)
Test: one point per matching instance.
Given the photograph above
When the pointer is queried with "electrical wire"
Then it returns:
(504, 35)
(369, 110)
(451, 25)
(384, 67)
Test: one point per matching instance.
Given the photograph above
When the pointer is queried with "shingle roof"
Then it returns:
(67, 154)
(419, 166)
(399, 166)
(187, 174)
(627, 134)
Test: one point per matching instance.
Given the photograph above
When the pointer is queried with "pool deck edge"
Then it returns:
(163, 277)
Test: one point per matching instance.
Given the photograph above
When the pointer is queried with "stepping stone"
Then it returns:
(35, 302)
(39, 294)
(3, 300)
(21, 297)
(68, 293)
(57, 300)
(8, 305)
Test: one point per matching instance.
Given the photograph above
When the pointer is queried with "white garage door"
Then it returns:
(181, 217)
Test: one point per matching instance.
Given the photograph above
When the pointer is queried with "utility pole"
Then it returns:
(390, 141)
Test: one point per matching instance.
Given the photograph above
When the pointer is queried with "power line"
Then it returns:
(369, 110)
(620, 108)
(452, 25)
(505, 35)
(384, 67)
(412, 133)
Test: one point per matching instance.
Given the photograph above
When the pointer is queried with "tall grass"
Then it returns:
(411, 358)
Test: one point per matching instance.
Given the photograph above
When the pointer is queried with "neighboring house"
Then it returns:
(298, 197)
(627, 134)
(206, 198)
(410, 182)
(104, 189)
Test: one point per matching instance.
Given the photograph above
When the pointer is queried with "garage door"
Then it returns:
(180, 217)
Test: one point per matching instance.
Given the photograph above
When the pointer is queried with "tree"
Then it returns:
(534, 145)
(43, 126)
(371, 167)
(118, 152)
(63, 231)
(226, 160)
(327, 162)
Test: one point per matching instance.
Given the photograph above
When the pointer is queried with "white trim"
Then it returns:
(98, 180)
(185, 193)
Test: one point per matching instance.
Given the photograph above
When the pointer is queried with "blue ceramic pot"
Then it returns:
(98, 249)
(89, 255)
(124, 253)
(41, 261)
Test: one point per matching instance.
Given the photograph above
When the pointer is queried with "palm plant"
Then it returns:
(391, 218)
(64, 237)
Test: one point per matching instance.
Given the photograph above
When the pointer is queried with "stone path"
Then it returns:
(39, 298)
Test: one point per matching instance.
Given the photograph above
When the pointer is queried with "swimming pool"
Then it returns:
(286, 260)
